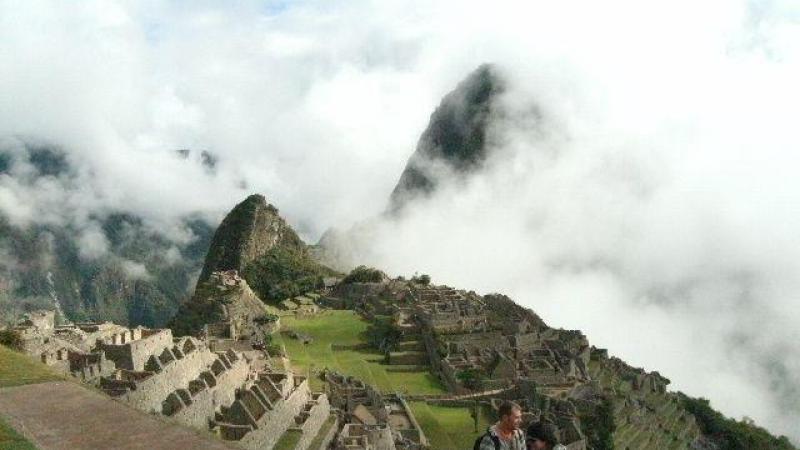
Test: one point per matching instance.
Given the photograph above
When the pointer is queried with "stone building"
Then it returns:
(372, 420)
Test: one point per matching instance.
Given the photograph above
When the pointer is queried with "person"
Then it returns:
(505, 434)
(542, 436)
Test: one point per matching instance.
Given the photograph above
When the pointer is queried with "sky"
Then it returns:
(652, 202)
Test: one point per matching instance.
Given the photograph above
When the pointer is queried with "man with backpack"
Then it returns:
(505, 434)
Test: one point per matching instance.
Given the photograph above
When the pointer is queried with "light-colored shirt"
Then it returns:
(517, 441)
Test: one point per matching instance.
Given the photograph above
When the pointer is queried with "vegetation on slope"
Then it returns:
(730, 434)
(600, 427)
(18, 369)
(247, 233)
(338, 340)
(204, 309)
(364, 274)
(455, 137)
(284, 272)
(132, 282)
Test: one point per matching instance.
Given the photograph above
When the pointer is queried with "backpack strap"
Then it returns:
(495, 440)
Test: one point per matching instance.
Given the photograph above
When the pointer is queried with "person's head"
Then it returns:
(541, 436)
(510, 415)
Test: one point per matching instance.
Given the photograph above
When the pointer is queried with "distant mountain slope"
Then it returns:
(455, 142)
(110, 266)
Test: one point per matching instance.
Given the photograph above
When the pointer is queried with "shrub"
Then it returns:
(383, 336)
(472, 379)
(730, 434)
(265, 319)
(364, 274)
(11, 339)
(284, 273)
(422, 279)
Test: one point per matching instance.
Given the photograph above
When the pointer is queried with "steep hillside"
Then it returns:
(451, 351)
(248, 232)
(455, 145)
(110, 266)
(455, 142)
(254, 242)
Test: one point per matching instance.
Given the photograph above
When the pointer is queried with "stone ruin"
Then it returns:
(240, 310)
(273, 404)
(513, 352)
(372, 420)
(218, 381)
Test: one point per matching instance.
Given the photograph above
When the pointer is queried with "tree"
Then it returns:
(364, 274)
(472, 379)
(422, 279)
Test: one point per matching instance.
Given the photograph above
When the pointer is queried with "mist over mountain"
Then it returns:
(456, 140)
(107, 265)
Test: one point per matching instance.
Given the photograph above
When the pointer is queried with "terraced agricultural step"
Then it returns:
(407, 346)
(411, 358)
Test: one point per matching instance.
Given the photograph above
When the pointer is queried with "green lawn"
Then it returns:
(11, 440)
(449, 427)
(346, 328)
(17, 369)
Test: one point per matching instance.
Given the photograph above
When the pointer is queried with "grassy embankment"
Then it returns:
(17, 369)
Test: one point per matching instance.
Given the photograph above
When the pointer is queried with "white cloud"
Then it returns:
(92, 242)
(134, 270)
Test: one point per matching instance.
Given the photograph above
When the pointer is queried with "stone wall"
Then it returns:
(314, 414)
(149, 393)
(357, 436)
(134, 354)
(90, 367)
(194, 405)
(274, 420)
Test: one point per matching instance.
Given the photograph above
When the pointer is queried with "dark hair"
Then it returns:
(506, 408)
(544, 432)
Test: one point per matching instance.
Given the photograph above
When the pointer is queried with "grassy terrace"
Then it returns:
(347, 328)
(447, 427)
(17, 369)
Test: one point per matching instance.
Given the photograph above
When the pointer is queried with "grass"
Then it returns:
(449, 427)
(289, 440)
(17, 369)
(11, 440)
(347, 328)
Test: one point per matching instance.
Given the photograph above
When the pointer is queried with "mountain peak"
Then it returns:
(455, 139)
(252, 228)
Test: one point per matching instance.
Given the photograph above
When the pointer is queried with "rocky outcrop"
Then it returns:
(223, 307)
(249, 231)
(455, 140)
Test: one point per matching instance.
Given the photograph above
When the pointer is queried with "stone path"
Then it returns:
(64, 415)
